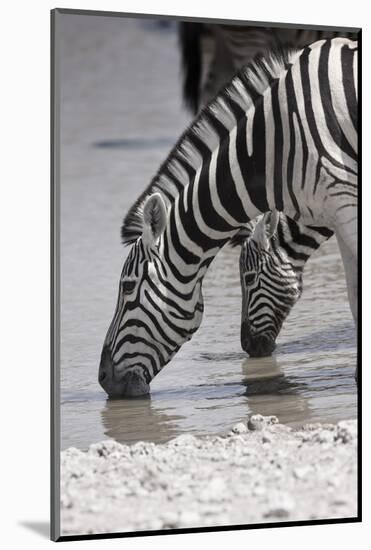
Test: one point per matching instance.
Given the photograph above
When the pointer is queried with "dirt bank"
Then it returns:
(262, 471)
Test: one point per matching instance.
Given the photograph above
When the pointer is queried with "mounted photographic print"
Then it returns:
(204, 275)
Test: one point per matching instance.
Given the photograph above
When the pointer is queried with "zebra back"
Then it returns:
(233, 47)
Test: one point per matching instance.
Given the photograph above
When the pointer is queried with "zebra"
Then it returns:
(277, 137)
(211, 54)
(275, 274)
(274, 251)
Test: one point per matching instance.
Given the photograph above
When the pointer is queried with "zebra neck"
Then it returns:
(224, 192)
(217, 169)
(299, 241)
(186, 259)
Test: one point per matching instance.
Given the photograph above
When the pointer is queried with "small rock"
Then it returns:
(183, 440)
(304, 436)
(256, 422)
(333, 482)
(312, 427)
(267, 437)
(239, 428)
(280, 506)
(325, 437)
(169, 519)
(346, 431)
(340, 501)
(142, 448)
(105, 448)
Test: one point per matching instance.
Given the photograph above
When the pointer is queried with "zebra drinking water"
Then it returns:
(278, 137)
(271, 265)
(274, 251)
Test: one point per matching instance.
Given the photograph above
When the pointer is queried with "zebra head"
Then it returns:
(270, 285)
(155, 313)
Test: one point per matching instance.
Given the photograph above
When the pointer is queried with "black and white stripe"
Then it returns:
(212, 54)
(258, 146)
(232, 47)
(274, 251)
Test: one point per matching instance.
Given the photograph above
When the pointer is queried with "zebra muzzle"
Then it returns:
(257, 346)
(129, 383)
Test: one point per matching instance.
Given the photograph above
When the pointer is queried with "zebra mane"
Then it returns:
(245, 233)
(249, 83)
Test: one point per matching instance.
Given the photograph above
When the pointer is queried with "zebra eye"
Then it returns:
(128, 286)
(249, 278)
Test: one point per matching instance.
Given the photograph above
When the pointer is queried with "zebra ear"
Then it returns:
(271, 223)
(239, 238)
(154, 218)
(266, 228)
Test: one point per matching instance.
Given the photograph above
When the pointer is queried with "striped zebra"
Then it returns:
(281, 136)
(212, 54)
(270, 265)
(274, 251)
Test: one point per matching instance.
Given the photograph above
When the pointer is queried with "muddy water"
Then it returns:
(120, 114)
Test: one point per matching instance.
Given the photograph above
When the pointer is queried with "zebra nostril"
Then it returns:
(259, 346)
(102, 376)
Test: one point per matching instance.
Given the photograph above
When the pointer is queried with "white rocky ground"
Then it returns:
(261, 471)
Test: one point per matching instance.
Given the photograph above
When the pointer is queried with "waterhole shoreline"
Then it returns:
(259, 471)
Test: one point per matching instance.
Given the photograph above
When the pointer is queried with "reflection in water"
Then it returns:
(106, 65)
(131, 420)
(268, 377)
(270, 391)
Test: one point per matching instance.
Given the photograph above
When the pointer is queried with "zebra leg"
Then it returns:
(349, 257)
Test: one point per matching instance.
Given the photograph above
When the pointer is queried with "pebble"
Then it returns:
(280, 506)
(183, 440)
(304, 436)
(340, 501)
(256, 422)
(169, 519)
(239, 428)
(346, 431)
(267, 437)
(106, 448)
(325, 437)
